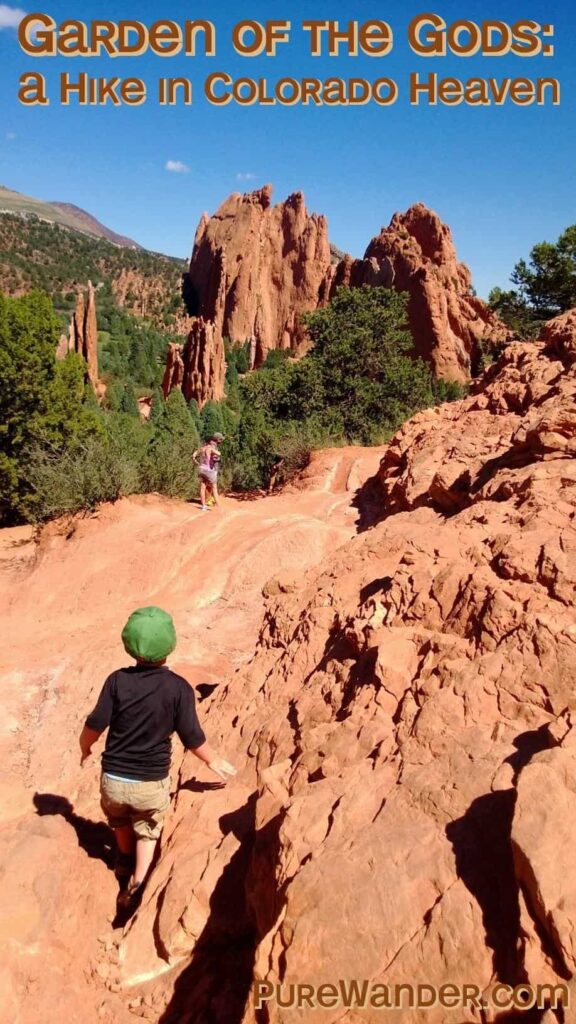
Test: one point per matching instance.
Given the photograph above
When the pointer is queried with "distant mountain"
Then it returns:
(58, 249)
(94, 227)
(64, 214)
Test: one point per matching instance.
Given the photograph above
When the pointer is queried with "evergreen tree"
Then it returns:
(178, 422)
(363, 351)
(158, 409)
(211, 420)
(232, 387)
(114, 396)
(168, 466)
(129, 403)
(242, 353)
(41, 401)
(195, 414)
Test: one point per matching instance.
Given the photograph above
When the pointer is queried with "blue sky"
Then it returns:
(502, 178)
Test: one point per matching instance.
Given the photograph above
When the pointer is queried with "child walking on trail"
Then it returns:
(208, 466)
(142, 706)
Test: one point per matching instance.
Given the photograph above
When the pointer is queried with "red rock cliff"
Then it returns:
(449, 324)
(256, 267)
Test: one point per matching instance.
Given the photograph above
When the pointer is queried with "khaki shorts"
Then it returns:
(140, 804)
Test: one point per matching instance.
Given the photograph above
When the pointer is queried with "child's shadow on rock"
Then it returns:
(94, 837)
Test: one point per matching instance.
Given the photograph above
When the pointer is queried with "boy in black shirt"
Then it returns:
(141, 707)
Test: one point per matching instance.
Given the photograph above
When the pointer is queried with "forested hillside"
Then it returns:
(37, 255)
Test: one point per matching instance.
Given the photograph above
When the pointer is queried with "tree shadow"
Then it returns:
(94, 837)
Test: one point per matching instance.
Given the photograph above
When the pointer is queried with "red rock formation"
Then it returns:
(174, 373)
(82, 335)
(198, 366)
(559, 336)
(204, 362)
(256, 267)
(451, 327)
(384, 726)
(404, 808)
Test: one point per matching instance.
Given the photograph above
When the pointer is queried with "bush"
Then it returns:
(168, 469)
(448, 391)
(80, 478)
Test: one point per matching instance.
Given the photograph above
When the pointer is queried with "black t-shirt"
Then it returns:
(143, 706)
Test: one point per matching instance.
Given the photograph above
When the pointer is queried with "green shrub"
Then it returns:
(168, 469)
(79, 478)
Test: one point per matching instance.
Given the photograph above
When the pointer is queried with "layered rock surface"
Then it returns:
(404, 807)
(71, 591)
(405, 716)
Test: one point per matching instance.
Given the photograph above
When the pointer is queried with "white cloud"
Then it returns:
(245, 176)
(177, 167)
(10, 17)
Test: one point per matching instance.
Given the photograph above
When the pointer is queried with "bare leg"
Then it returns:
(125, 839)
(203, 492)
(145, 850)
(215, 494)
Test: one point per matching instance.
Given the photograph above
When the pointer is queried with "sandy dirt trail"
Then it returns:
(62, 605)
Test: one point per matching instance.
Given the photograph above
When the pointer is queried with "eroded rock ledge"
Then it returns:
(407, 803)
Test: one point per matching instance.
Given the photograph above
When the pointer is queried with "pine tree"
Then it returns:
(212, 420)
(129, 403)
(178, 422)
(41, 401)
(158, 409)
(114, 396)
(195, 414)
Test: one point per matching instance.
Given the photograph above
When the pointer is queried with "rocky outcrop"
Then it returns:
(404, 810)
(174, 372)
(521, 414)
(204, 362)
(82, 336)
(147, 293)
(198, 367)
(559, 336)
(256, 268)
(451, 327)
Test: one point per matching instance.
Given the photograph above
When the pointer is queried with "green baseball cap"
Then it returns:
(149, 634)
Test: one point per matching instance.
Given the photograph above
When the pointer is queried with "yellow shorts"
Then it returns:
(140, 804)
